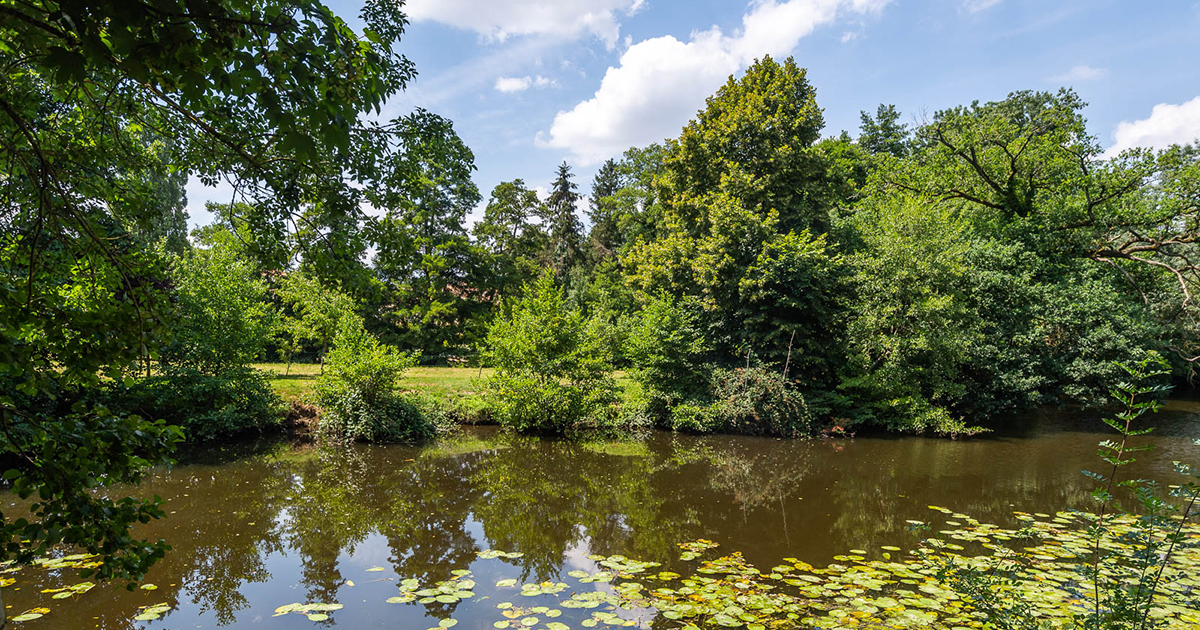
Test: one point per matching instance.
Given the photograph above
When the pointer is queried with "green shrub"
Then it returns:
(757, 401)
(747, 401)
(357, 394)
(694, 417)
(553, 366)
(207, 406)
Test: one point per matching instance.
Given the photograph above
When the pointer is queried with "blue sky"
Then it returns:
(529, 83)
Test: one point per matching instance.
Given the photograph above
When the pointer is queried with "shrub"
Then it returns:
(357, 393)
(757, 401)
(553, 366)
(748, 401)
(207, 406)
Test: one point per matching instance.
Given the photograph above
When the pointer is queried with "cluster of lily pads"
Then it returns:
(79, 561)
(861, 589)
(314, 612)
(887, 587)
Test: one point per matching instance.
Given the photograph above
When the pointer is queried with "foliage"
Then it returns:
(266, 93)
(553, 367)
(666, 345)
(753, 143)
(509, 234)
(319, 313)
(357, 395)
(207, 405)
(564, 227)
(428, 266)
(756, 401)
(1128, 558)
(882, 133)
(222, 317)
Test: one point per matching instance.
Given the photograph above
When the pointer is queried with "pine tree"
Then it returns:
(604, 234)
(566, 230)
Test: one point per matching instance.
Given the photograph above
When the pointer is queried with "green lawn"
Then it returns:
(448, 382)
(444, 382)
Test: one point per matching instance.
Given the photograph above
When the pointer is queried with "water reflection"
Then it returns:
(255, 531)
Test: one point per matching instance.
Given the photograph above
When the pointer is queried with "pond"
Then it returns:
(255, 530)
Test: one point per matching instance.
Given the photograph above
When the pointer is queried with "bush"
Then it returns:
(756, 401)
(553, 366)
(747, 401)
(207, 406)
(357, 393)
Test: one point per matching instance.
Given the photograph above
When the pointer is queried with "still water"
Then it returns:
(255, 529)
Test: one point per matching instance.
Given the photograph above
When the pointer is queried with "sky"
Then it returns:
(531, 83)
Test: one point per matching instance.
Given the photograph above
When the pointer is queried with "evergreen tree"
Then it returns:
(604, 238)
(566, 231)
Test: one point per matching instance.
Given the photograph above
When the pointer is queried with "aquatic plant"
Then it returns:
(1130, 555)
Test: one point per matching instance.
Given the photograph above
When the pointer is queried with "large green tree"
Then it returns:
(752, 142)
(742, 194)
(268, 94)
(1007, 263)
(431, 271)
(564, 226)
(510, 234)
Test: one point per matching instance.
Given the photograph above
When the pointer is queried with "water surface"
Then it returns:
(252, 530)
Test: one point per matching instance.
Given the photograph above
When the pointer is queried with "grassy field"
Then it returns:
(448, 382)
(443, 382)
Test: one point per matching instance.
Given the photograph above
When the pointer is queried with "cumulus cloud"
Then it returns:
(497, 20)
(1082, 72)
(661, 82)
(1167, 124)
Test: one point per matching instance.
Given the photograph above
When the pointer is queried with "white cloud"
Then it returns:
(975, 6)
(513, 84)
(661, 82)
(1167, 124)
(520, 84)
(849, 36)
(497, 20)
(1082, 72)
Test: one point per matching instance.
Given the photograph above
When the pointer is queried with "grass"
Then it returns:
(442, 382)
(449, 383)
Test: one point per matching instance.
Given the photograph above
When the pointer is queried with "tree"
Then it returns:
(318, 312)
(163, 220)
(882, 134)
(566, 231)
(425, 258)
(753, 142)
(266, 93)
(553, 366)
(604, 235)
(509, 234)
(222, 319)
(977, 285)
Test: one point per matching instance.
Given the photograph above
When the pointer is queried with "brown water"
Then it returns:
(252, 531)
